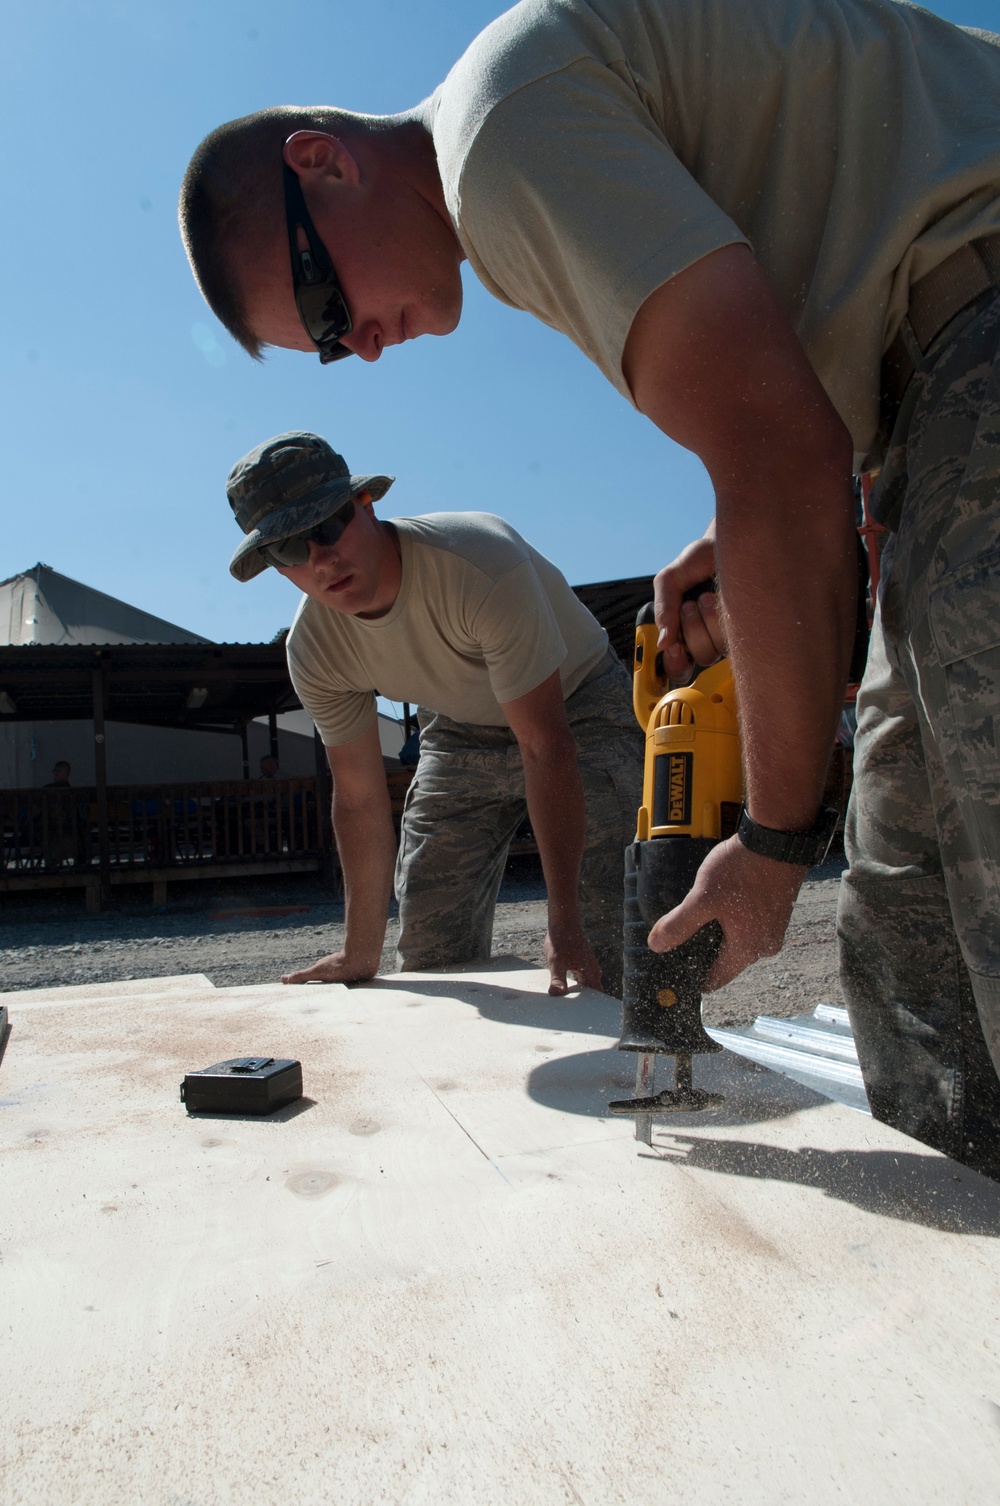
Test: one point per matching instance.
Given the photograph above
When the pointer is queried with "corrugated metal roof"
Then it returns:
(153, 681)
(206, 685)
(616, 604)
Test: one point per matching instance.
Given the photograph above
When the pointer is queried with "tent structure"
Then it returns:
(43, 606)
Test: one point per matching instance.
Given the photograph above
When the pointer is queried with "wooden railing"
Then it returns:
(158, 833)
(160, 826)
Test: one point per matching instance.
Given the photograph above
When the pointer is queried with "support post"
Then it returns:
(272, 732)
(99, 691)
(245, 745)
(409, 722)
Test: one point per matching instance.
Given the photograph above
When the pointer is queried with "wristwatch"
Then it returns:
(805, 847)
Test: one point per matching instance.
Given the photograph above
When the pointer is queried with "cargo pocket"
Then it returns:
(965, 609)
(612, 797)
(964, 612)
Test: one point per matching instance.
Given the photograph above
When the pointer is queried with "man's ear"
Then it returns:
(316, 155)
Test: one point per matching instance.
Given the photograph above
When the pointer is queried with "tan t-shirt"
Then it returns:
(481, 618)
(590, 152)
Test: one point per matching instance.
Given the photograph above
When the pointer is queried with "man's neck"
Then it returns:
(405, 141)
(390, 572)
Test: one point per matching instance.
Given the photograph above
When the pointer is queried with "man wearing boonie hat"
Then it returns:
(524, 707)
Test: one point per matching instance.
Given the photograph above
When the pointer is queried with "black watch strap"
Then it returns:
(804, 847)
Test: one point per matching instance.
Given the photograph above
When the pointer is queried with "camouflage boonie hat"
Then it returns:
(288, 485)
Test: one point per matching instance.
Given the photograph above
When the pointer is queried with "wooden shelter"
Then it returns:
(101, 836)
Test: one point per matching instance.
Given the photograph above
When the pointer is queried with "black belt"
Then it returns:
(935, 300)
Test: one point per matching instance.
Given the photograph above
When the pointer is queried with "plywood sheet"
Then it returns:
(448, 1276)
(132, 988)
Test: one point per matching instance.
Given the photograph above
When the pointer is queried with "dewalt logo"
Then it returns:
(672, 789)
(680, 792)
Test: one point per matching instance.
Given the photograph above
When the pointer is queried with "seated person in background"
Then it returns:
(269, 768)
(523, 707)
(60, 776)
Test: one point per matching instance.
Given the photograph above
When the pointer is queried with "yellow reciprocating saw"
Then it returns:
(692, 796)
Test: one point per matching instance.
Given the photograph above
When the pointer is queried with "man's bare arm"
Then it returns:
(362, 823)
(713, 361)
(558, 815)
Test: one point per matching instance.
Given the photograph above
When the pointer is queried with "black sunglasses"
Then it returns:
(318, 295)
(295, 549)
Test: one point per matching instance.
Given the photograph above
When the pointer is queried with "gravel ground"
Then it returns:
(254, 932)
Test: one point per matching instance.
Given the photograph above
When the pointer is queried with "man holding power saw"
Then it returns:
(775, 229)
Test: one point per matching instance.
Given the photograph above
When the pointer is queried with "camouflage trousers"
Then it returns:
(467, 800)
(919, 916)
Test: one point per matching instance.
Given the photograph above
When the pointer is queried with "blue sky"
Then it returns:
(123, 404)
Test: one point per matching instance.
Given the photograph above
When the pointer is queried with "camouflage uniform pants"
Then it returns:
(919, 918)
(467, 800)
